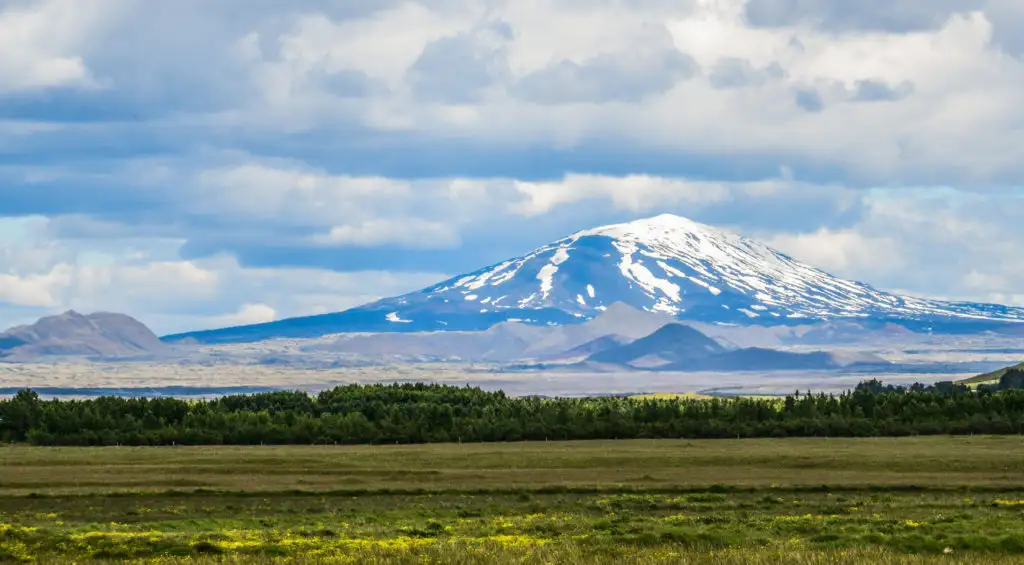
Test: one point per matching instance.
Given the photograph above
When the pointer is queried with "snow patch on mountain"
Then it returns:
(395, 318)
(546, 277)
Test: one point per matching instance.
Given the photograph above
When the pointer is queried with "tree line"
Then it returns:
(422, 413)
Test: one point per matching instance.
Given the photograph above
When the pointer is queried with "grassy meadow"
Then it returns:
(804, 501)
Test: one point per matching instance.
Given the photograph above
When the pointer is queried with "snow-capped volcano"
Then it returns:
(689, 270)
(666, 264)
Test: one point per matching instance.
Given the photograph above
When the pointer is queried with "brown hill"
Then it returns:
(102, 334)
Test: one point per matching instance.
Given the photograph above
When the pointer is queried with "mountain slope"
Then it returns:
(759, 359)
(993, 376)
(665, 264)
(102, 334)
(588, 349)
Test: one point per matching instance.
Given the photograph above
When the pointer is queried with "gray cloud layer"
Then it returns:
(254, 141)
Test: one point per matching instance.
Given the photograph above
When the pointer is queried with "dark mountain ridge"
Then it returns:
(676, 347)
(674, 343)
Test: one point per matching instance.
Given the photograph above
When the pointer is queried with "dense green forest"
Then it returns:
(420, 413)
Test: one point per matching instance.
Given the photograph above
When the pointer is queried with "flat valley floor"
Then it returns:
(86, 380)
(915, 500)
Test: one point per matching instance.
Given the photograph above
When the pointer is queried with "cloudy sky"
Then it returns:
(199, 164)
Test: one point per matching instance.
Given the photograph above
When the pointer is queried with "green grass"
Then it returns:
(887, 501)
(923, 461)
(670, 396)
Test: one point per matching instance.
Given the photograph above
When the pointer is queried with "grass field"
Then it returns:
(671, 396)
(805, 501)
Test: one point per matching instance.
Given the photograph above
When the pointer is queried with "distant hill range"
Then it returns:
(676, 347)
(619, 338)
(505, 341)
(101, 334)
(667, 264)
